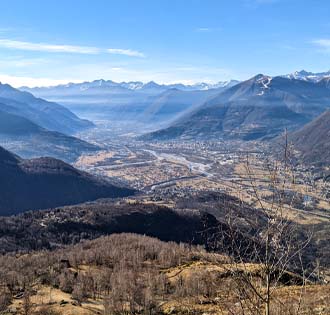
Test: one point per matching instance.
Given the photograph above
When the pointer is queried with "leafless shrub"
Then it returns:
(261, 260)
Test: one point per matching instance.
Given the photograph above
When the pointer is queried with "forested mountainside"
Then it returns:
(47, 182)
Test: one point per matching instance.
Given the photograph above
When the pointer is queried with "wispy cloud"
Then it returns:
(45, 47)
(203, 29)
(126, 52)
(15, 44)
(322, 43)
(207, 29)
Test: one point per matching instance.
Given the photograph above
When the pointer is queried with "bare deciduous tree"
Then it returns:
(268, 247)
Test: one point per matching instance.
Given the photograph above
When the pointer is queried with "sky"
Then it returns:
(46, 43)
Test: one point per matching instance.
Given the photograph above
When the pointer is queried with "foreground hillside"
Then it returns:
(46, 182)
(131, 274)
(195, 219)
(49, 229)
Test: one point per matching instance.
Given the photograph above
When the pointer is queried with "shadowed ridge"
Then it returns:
(46, 182)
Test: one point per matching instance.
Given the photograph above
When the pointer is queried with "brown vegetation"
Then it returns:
(131, 274)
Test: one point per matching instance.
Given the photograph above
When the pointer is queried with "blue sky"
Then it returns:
(50, 42)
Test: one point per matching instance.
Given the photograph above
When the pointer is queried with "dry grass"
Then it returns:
(90, 160)
(315, 298)
(53, 299)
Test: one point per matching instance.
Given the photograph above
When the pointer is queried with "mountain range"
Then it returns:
(102, 99)
(173, 106)
(308, 76)
(259, 108)
(132, 85)
(46, 182)
(33, 127)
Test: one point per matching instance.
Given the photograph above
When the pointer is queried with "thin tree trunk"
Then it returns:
(267, 311)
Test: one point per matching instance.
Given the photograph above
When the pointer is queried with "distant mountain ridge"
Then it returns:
(134, 85)
(258, 108)
(101, 99)
(308, 76)
(46, 182)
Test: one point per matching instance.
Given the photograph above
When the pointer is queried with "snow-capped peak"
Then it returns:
(262, 83)
(308, 76)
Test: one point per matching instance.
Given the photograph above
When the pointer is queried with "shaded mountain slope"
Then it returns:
(29, 140)
(313, 141)
(258, 108)
(11, 124)
(48, 115)
(46, 182)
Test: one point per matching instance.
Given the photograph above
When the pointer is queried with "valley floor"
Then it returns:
(178, 168)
